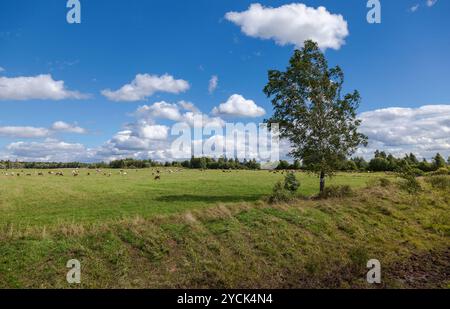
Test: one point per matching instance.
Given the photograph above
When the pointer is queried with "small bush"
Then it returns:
(280, 194)
(441, 172)
(337, 191)
(291, 183)
(410, 184)
(439, 182)
(285, 191)
(417, 172)
(384, 182)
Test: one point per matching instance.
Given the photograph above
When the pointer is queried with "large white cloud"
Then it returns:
(153, 132)
(161, 109)
(292, 24)
(180, 112)
(237, 105)
(423, 131)
(144, 86)
(48, 150)
(145, 138)
(40, 87)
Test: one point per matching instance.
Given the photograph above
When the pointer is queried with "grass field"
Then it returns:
(49, 199)
(210, 229)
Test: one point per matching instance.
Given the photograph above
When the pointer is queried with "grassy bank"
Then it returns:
(308, 243)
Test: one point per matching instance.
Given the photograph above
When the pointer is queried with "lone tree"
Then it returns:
(312, 114)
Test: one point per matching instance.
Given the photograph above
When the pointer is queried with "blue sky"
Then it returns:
(402, 62)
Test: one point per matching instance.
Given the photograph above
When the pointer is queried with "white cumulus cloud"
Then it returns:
(161, 109)
(154, 132)
(292, 24)
(23, 132)
(40, 87)
(61, 126)
(423, 131)
(38, 132)
(144, 86)
(237, 105)
(48, 150)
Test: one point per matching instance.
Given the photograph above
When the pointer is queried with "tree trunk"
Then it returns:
(322, 181)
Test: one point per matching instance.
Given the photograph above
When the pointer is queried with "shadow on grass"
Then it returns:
(209, 198)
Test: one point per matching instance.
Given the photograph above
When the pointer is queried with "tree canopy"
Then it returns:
(312, 113)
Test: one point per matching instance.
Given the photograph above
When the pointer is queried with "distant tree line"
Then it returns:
(41, 165)
(194, 163)
(381, 162)
(129, 163)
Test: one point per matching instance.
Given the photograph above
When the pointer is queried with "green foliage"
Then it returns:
(438, 161)
(348, 165)
(410, 183)
(337, 191)
(378, 164)
(220, 163)
(285, 191)
(439, 182)
(319, 122)
(291, 183)
(361, 164)
(425, 166)
(442, 171)
(283, 165)
(417, 172)
(383, 162)
(280, 194)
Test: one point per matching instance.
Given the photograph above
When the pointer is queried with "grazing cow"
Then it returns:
(40, 174)
(89, 174)
(157, 177)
